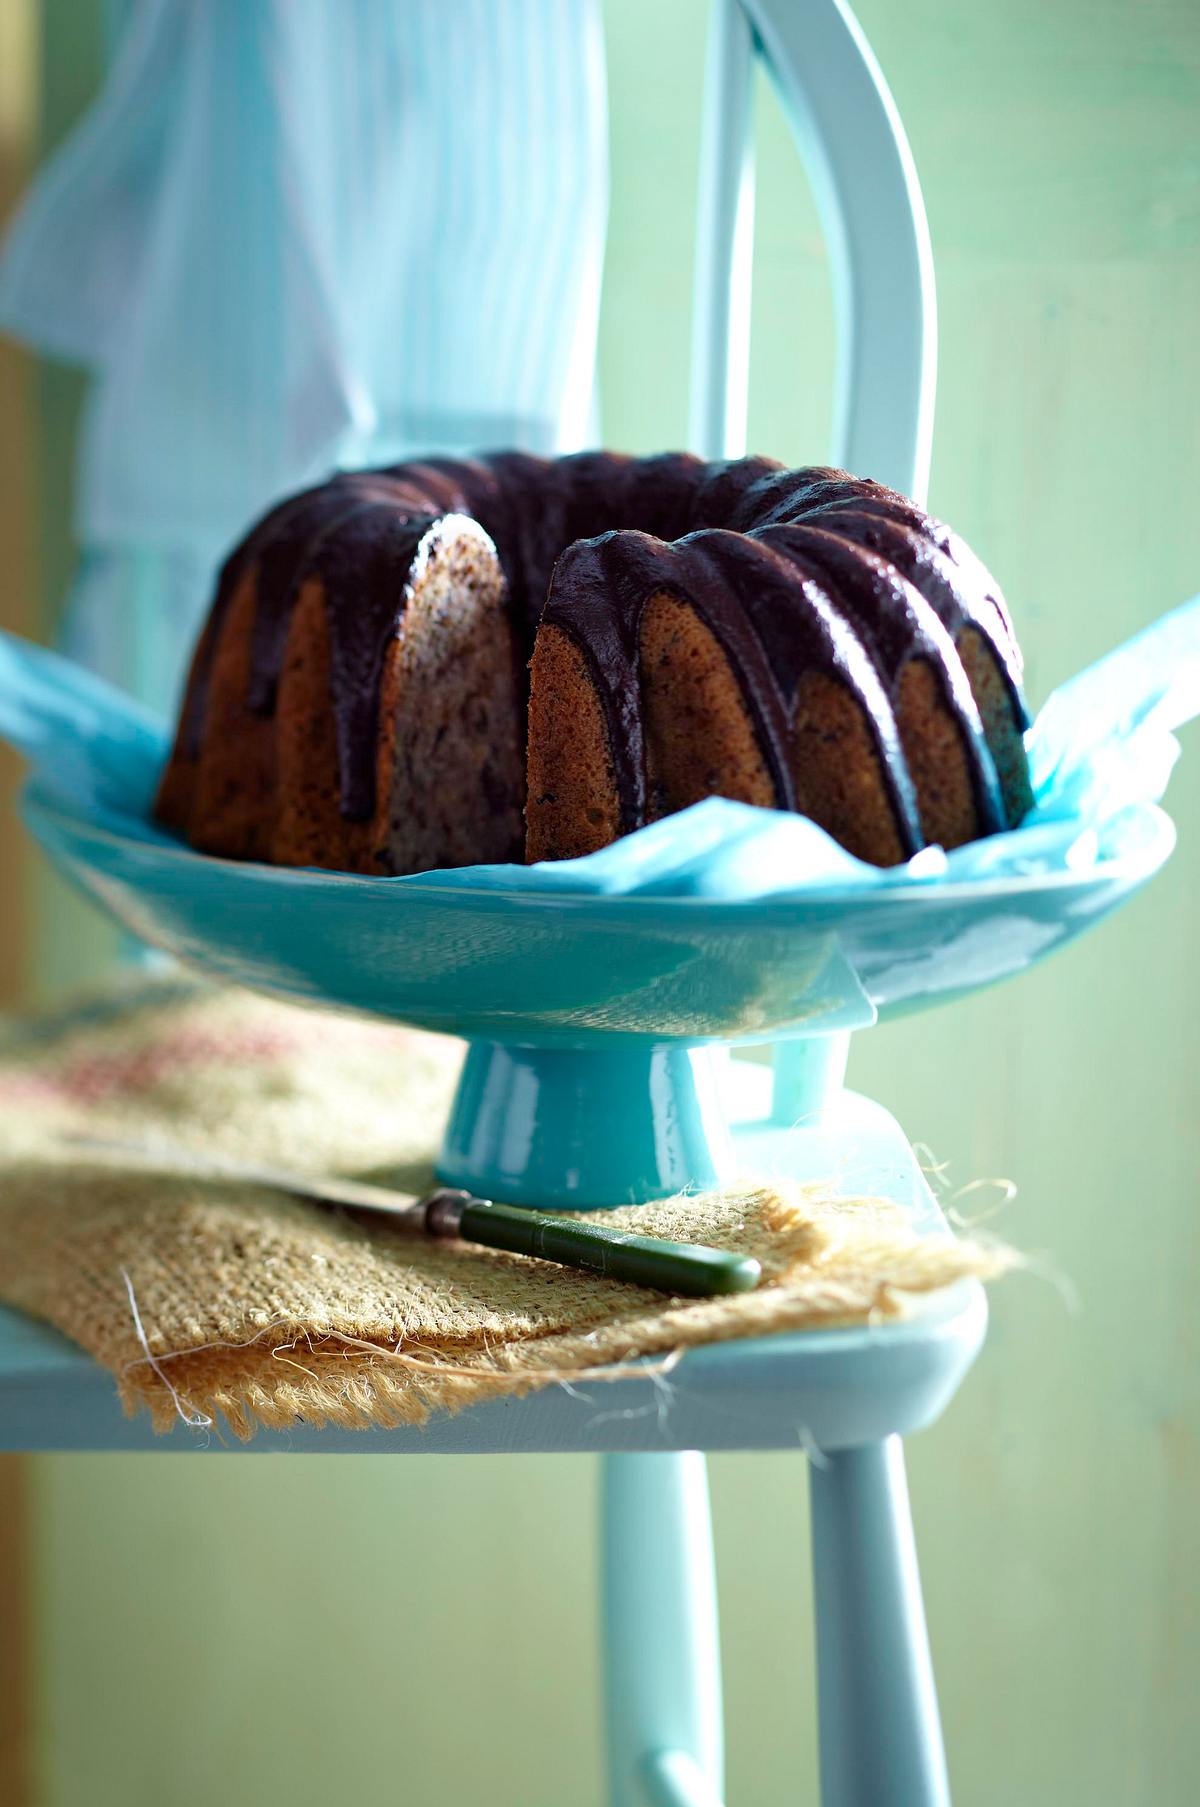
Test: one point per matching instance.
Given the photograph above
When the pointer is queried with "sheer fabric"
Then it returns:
(299, 234)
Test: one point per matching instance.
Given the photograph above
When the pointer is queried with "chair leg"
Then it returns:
(881, 1743)
(662, 1671)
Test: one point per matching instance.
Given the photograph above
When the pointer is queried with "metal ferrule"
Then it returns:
(444, 1211)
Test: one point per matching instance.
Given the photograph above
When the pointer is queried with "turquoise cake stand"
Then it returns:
(598, 1027)
(599, 1031)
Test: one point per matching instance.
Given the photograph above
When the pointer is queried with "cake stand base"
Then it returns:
(623, 1123)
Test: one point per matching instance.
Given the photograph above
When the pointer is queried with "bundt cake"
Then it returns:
(805, 640)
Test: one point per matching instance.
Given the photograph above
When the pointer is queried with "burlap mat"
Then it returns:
(217, 1301)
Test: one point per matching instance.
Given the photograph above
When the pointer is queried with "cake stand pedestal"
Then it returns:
(581, 1128)
(584, 1128)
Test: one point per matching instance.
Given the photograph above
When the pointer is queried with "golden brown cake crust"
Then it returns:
(933, 745)
(571, 804)
(835, 768)
(1001, 722)
(234, 789)
(700, 738)
(310, 828)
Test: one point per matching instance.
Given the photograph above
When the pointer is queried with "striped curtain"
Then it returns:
(301, 233)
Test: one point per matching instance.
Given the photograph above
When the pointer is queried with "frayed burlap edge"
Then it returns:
(841, 1262)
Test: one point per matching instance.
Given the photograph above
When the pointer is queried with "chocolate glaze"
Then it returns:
(896, 625)
(364, 567)
(949, 583)
(792, 571)
(801, 629)
(279, 544)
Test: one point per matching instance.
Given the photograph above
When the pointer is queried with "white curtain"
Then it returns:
(299, 233)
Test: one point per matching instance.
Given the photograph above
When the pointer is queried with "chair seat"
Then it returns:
(827, 1389)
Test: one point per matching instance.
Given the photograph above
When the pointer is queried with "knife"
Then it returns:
(691, 1269)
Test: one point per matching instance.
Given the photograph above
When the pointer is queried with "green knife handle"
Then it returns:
(670, 1267)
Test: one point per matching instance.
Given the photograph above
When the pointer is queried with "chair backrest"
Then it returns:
(853, 147)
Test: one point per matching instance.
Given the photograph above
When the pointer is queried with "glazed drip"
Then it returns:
(800, 629)
(597, 597)
(924, 551)
(361, 548)
(282, 567)
(364, 570)
(945, 570)
(915, 556)
(897, 625)
(285, 536)
(714, 584)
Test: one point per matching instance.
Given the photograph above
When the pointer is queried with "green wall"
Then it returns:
(316, 1628)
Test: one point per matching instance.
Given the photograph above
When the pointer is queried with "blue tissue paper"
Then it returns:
(721, 921)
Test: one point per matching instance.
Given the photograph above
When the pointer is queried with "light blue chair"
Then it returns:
(845, 1397)
(879, 1731)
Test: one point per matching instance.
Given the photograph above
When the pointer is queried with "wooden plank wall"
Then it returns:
(19, 611)
(15, 1704)
(18, 591)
